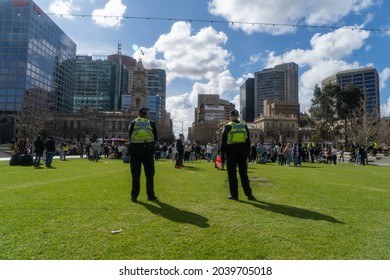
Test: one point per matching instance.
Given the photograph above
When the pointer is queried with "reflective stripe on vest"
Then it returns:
(237, 134)
(142, 132)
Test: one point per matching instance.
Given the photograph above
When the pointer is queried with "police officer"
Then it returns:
(143, 136)
(235, 146)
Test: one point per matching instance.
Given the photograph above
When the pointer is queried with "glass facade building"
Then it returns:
(247, 98)
(37, 60)
(155, 83)
(94, 84)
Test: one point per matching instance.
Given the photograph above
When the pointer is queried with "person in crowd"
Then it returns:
(172, 152)
(209, 150)
(329, 154)
(64, 149)
(253, 154)
(334, 155)
(96, 150)
(288, 154)
(362, 155)
(341, 158)
(13, 148)
(50, 151)
(187, 152)
(192, 153)
(280, 154)
(235, 145)
(296, 154)
(39, 148)
(142, 137)
(120, 150)
(179, 151)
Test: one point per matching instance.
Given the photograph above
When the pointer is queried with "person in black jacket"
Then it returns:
(235, 146)
(180, 151)
(142, 136)
(50, 151)
(39, 148)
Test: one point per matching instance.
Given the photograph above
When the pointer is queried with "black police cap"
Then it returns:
(143, 111)
(234, 113)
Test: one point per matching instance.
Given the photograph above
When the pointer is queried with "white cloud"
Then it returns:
(182, 107)
(182, 112)
(385, 109)
(267, 12)
(199, 57)
(384, 76)
(63, 8)
(111, 15)
(191, 56)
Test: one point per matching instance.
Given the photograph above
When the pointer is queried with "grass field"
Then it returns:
(314, 212)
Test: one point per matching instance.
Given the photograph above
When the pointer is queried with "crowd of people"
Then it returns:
(286, 154)
(25, 152)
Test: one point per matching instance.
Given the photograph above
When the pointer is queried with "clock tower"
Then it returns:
(138, 92)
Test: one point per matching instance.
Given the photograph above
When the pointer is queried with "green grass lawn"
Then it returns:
(316, 211)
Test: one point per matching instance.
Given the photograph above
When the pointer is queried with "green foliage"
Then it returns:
(316, 211)
(333, 110)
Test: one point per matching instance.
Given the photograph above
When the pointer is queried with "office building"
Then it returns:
(155, 82)
(37, 62)
(123, 79)
(209, 115)
(94, 86)
(278, 84)
(366, 79)
(247, 100)
(36, 57)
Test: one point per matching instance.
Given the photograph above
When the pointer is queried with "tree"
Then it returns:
(348, 103)
(323, 112)
(334, 110)
(364, 125)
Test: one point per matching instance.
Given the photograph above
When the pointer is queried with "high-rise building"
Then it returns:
(94, 86)
(278, 84)
(213, 108)
(155, 82)
(366, 79)
(247, 100)
(124, 79)
(210, 113)
(36, 58)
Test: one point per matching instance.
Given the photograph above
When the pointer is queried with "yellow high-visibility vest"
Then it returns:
(237, 134)
(143, 131)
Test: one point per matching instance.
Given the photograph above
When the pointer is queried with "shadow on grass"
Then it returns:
(291, 166)
(175, 214)
(292, 211)
(192, 168)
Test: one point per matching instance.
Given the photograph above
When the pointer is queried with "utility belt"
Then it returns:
(143, 145)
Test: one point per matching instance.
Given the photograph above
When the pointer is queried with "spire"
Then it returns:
(119, 48)
(139, 66)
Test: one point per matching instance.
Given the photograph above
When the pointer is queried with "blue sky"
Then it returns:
(228, 40)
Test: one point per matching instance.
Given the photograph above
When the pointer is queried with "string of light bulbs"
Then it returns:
(209, 21)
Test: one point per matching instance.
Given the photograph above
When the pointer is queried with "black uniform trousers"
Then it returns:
(236, 156)
(142, 154)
